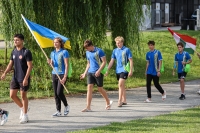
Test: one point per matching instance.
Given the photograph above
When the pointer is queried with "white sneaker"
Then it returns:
(21, 113)
(24, 119)
(4, 119)
(57, 114)
(66, 110)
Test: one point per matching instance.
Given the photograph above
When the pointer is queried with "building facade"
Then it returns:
(172, 11)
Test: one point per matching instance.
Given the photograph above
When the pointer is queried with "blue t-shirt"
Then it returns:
(94, 58)
(58, 60)
(179, 57)
(121, 55)
(153, 57)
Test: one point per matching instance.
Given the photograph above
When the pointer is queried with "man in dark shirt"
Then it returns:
(21, 59)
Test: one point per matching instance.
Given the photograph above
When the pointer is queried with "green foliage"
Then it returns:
(126, 18)
(186, 121)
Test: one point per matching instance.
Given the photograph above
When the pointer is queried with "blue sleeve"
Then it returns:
(159, 55)
(188, 57)
(147, 59)
(101, 53)
(129, 54)
(51, 56)
(175, 60)
(65, 54)
(87, 55)
(113, 55)
(175, 57)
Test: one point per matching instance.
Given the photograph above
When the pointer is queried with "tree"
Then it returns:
(76, 19)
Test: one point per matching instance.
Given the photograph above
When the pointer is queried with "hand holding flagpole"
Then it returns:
(43, 52)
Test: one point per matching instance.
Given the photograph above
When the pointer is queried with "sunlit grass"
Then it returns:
(186, 121)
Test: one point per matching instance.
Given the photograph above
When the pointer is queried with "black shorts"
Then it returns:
(182, 75)
(14, 84)
(122, 75)
(92, 79)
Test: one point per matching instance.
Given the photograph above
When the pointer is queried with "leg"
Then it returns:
(122, 90)
(104, 94)
(89, 96)
(15, 98)
(148, 85)
(182, 85)
(24, 101)
(57, 99)
(60, 93)
(157, 85)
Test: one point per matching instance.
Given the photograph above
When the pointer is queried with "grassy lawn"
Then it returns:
(186, 121)
(164, 42)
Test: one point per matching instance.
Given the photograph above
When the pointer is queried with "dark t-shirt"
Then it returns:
(20, 59)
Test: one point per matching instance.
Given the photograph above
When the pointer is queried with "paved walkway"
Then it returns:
(41, 110)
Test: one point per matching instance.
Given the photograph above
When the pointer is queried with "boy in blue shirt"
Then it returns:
(96, 61)
(181, 59)
(122, 55)
(153, 66)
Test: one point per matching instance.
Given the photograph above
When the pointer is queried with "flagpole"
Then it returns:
(43, 52)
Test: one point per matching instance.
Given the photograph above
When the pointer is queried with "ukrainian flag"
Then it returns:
(45, 36)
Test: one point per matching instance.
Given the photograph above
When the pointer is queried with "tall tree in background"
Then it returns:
(76, 19)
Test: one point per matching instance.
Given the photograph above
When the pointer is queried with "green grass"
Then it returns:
(185, 121)
(164, 42)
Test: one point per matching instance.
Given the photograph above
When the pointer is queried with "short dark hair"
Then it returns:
(151, 42)
(88, 43)
(20, 36)
(180, 44)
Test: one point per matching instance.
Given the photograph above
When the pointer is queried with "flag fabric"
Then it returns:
(45, 36)
(188, 42)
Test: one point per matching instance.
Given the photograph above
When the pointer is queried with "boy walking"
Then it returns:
(153, 66)
(181, 59)
(122, 55)
(96, 61)
(21, 59)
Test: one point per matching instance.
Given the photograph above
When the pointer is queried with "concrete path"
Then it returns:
(41, 110)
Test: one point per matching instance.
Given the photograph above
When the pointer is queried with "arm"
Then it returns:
(30, 66)
(131, 67)
(9, 67)
(147, 65)
(159, 67)
(86, 70)
(66, 61)
(175, 66)
(103, 63)
(110, 65)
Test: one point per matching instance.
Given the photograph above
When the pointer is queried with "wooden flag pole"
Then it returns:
(44, 53)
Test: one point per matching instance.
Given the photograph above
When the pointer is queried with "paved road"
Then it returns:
(41, 110)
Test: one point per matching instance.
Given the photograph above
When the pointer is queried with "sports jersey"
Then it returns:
(181, 57)
(94, 57)
(153, 57)
(58, 60)
(121, 55)
(20, 59)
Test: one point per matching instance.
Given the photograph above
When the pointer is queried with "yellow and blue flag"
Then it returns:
(45, 36)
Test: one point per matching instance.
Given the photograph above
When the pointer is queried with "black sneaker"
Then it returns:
(182, 97)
